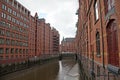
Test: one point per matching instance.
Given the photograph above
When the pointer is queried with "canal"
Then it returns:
(55, 70)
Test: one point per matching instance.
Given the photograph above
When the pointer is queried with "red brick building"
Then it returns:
(23, 36)
(32, 38)
(68, 45)
(14, 31)
(51, 42)
(55, 41)
(47, 38)
(37, 36)
(98, 38)
(42, 34)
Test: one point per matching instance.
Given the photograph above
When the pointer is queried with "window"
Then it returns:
(17, 36)
(13, 42)
(6, 1)
(7, 25)
(8, 42)
(25, 19)
(16, 51)
(20, 29)
(12, 50)
(1, 57)
(3, 7)
(3, 15)
(1, 41)
(25, 25)
(17, 43)
(26, 44)
(9, 17)
(98, 43)
(112, 43)
(1, 32)
(109, 4)
(18, 15)
(14, 13)
(20, 51)
(13, 35)
(2, 23)
(17, 22)
(20, 43)
(13, 20)
(23, 51)
(9, 10)
(22, 17)
(16, 28)
(27, 51)
(7, 50)
(1, 50)
(21, 24)
(13, 27)
(8, 33)
(96, 10)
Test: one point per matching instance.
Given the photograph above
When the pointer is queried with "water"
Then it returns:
(51, 71)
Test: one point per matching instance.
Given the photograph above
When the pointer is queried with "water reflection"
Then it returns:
(60, 66)
(51, 71)
(64, 67)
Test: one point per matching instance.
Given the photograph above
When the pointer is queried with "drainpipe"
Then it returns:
(102, 37)
(44, 41)
(35, 36)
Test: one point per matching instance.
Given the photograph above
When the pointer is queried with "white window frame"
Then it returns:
(96, 9)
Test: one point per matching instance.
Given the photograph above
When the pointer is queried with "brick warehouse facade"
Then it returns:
(98, 39)
(32, 37)
(68, 45)
(23, 36)
(55, 41)
(14, 23)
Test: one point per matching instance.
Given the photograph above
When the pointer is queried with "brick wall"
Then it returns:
(87, 29)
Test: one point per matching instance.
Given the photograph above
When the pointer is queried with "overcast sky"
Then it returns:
(59, 13)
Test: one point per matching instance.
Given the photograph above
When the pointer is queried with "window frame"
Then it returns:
(7, 50)
(1, 50)
(4, 7)
(96, 10)
(2, 41)
(98, 44)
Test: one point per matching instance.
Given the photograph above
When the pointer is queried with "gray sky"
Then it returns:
(59, 13)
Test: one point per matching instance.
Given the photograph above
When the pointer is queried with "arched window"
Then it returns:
(96, 10)
(98, 43)
(109, 4)
(112, 43)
